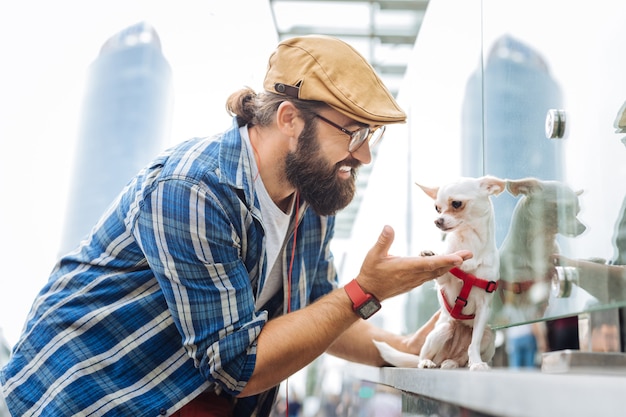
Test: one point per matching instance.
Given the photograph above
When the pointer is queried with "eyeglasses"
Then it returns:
(359, 136)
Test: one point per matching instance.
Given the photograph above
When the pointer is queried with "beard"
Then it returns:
(315, 179)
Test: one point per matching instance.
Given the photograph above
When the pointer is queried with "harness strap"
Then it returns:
(469, 281)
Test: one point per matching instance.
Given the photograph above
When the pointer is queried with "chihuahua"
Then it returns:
(547, 208)
(461, 335)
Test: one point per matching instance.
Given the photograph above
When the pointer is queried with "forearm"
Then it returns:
(290, 342)
(415, 342)
(355, 344)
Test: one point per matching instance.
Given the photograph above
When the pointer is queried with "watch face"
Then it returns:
(367, 309)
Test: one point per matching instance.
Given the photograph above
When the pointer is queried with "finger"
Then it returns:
(465, 254)
(438, 263)
(385, 239)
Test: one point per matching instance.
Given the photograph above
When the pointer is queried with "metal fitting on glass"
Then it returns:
(555, 124)
(563, 280)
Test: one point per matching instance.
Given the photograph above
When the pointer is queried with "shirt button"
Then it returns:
(162, 411)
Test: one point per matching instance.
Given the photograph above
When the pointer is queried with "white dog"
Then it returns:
(461, 335)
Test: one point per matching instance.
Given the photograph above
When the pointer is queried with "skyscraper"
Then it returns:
(125, 122)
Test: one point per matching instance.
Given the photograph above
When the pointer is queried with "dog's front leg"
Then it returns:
(435, 340)
(480, 322)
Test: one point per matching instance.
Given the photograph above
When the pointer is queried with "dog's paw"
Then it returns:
(426, 364)
(427, 253)
(479, 366)
(449, 364)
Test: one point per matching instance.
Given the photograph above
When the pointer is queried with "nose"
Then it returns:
(439, 222)
(363, 154)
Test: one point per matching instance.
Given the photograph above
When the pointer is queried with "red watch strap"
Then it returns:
(356, 293)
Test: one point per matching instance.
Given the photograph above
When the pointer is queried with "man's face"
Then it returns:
(328, 187)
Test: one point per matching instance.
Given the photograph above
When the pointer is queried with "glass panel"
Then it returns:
(545, 63)
(447, 55)
(533, 92)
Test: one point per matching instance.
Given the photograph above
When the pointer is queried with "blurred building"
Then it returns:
(125, 122)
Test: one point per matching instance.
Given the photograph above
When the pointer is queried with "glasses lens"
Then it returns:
(377, 135)
(358, 137)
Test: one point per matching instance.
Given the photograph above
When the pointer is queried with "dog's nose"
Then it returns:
(439, 222)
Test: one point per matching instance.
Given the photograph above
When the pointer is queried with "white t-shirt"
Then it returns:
(276, 224)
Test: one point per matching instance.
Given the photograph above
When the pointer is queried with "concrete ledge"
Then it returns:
(511, 393)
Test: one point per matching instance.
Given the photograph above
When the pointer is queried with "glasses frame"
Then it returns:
(357, 137)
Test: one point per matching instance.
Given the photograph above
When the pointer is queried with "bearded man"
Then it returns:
(210, 280)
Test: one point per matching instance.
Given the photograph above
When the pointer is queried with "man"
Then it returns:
(210, 280)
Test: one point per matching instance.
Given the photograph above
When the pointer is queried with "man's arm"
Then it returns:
(355, 344)
(290, 342)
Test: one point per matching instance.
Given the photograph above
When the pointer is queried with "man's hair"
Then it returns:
(259, 109)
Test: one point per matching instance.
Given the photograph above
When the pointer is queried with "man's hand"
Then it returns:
(386, 276)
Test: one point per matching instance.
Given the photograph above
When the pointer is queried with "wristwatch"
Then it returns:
(363, 304)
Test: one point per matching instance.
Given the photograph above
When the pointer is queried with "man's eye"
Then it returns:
(457, 204)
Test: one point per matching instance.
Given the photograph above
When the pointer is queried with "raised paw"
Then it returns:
(427, 253)
(426, 364)
(479, 366)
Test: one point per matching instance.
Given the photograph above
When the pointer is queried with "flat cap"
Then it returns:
(323, 68)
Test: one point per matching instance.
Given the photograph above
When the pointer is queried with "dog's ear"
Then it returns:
(492, 185)
(523, 186)
(431, 192)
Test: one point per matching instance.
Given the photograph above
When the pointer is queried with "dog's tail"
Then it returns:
(395, 357)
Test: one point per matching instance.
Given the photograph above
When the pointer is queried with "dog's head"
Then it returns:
(465, 202)
(553, 205)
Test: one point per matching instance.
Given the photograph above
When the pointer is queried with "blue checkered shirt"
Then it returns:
(158, 303)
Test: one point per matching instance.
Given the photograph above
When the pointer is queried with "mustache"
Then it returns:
(351, 162)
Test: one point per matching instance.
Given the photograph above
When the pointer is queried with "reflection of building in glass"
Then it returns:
(125, 121)
(504, 114)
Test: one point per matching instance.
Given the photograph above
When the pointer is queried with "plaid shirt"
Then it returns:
(157, 304)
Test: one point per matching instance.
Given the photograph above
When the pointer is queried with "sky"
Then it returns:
(214, 48)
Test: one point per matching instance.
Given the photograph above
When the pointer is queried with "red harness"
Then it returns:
(469, 281)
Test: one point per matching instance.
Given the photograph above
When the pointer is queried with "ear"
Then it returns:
(492, 185)
(523, 186)
(287, 120)
(431, 192)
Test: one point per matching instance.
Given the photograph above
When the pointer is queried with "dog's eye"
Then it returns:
(438, 209)
(457, 204)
